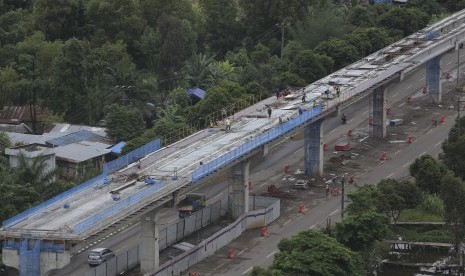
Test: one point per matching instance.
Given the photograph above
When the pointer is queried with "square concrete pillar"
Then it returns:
(379, 113)
(239, 177)
(313, 143)
(149, 249)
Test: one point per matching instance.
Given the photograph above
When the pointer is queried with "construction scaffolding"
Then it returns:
(29, 257)
(312, 143)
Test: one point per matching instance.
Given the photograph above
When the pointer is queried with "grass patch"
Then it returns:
(419, 215)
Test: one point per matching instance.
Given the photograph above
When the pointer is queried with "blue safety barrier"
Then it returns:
(29, 212)
(122, 204)
(29, 257)
(253, 144)
(132, 156)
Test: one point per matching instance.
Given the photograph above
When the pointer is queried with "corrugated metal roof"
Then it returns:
(82, 151)
(75, 137)
(68, 128)
(26, 139)
(18, 114)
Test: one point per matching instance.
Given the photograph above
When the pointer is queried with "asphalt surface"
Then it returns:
(292, 151)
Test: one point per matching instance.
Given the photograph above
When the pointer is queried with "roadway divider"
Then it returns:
(132, 156)
(29, 212)
(253, 144)
(118, 207)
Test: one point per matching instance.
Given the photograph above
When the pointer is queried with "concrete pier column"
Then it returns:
(239, 177)
(313, 143)
(433, 79)
(149, 249)
(379, 113)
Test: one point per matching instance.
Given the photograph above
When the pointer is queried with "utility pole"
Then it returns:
(459, 106)
(460, 46)
(342, 196)
(282, 38)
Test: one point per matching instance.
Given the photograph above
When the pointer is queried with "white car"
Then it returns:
(99, 255)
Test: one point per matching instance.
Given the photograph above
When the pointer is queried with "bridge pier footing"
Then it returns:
(313, 144)
(149, 248)
(379, 114)
(239, 178)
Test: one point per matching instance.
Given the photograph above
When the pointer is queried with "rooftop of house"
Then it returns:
(20, 114)
(81, 151)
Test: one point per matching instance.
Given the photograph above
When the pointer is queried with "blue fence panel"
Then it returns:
(122, 204)
(29, 212)
(132, 156)
(258, 141)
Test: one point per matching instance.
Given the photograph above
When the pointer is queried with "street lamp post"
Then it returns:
(342, 196)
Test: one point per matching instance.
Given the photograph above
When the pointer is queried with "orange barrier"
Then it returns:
(301, 208)
(264, 231)
(231, 254)
(383, 156)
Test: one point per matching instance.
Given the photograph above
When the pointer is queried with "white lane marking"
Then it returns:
(406, 164)
(242, 251)
(438, 143)
(365, 112)
(332, 130)
(313, 226)
(401, 104)
(219, 266)
(288, 221)
(334, 212)
(389, 176)
(272, 253)
(429, 131)
(422, 78)
(423, 153)
(349, 121)
(393, 95)
(409, 86)
(397, 152)
(248, 269)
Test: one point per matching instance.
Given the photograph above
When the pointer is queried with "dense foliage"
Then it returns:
(77, 57)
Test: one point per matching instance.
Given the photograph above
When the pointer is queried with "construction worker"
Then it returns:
(269, 112)
(328, 190)
(228, 124)
(343, 119)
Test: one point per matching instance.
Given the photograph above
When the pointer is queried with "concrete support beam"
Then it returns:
(265, 149)
(239, 177)
(313, 143)
(379, 113)
(149, 249)
(433, 82)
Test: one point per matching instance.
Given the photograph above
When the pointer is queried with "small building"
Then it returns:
(15, 115)
(30, 153)
(77, 159)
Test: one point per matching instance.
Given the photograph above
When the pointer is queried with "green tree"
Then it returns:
(453, 147)
(368, 40)
(123, 122)
(58, 19)
(311, 66)
(362, 16)
(339, 50)
(407, 20)
(222, 28)
(362, 200)
(264, 15)
(427, 6)
(453, 193)
(323, 22)
(428, 173)
(361, 231)
(397, 196)
(314, 253)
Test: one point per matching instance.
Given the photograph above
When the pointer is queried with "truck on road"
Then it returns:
(190, 204)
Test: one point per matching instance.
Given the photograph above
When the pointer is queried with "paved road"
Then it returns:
(293, 150)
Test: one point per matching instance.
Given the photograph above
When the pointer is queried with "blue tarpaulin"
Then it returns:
(196, 92)
(118, 147)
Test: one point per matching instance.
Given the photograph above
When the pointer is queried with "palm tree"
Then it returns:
(35, 173)
(197, 70)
